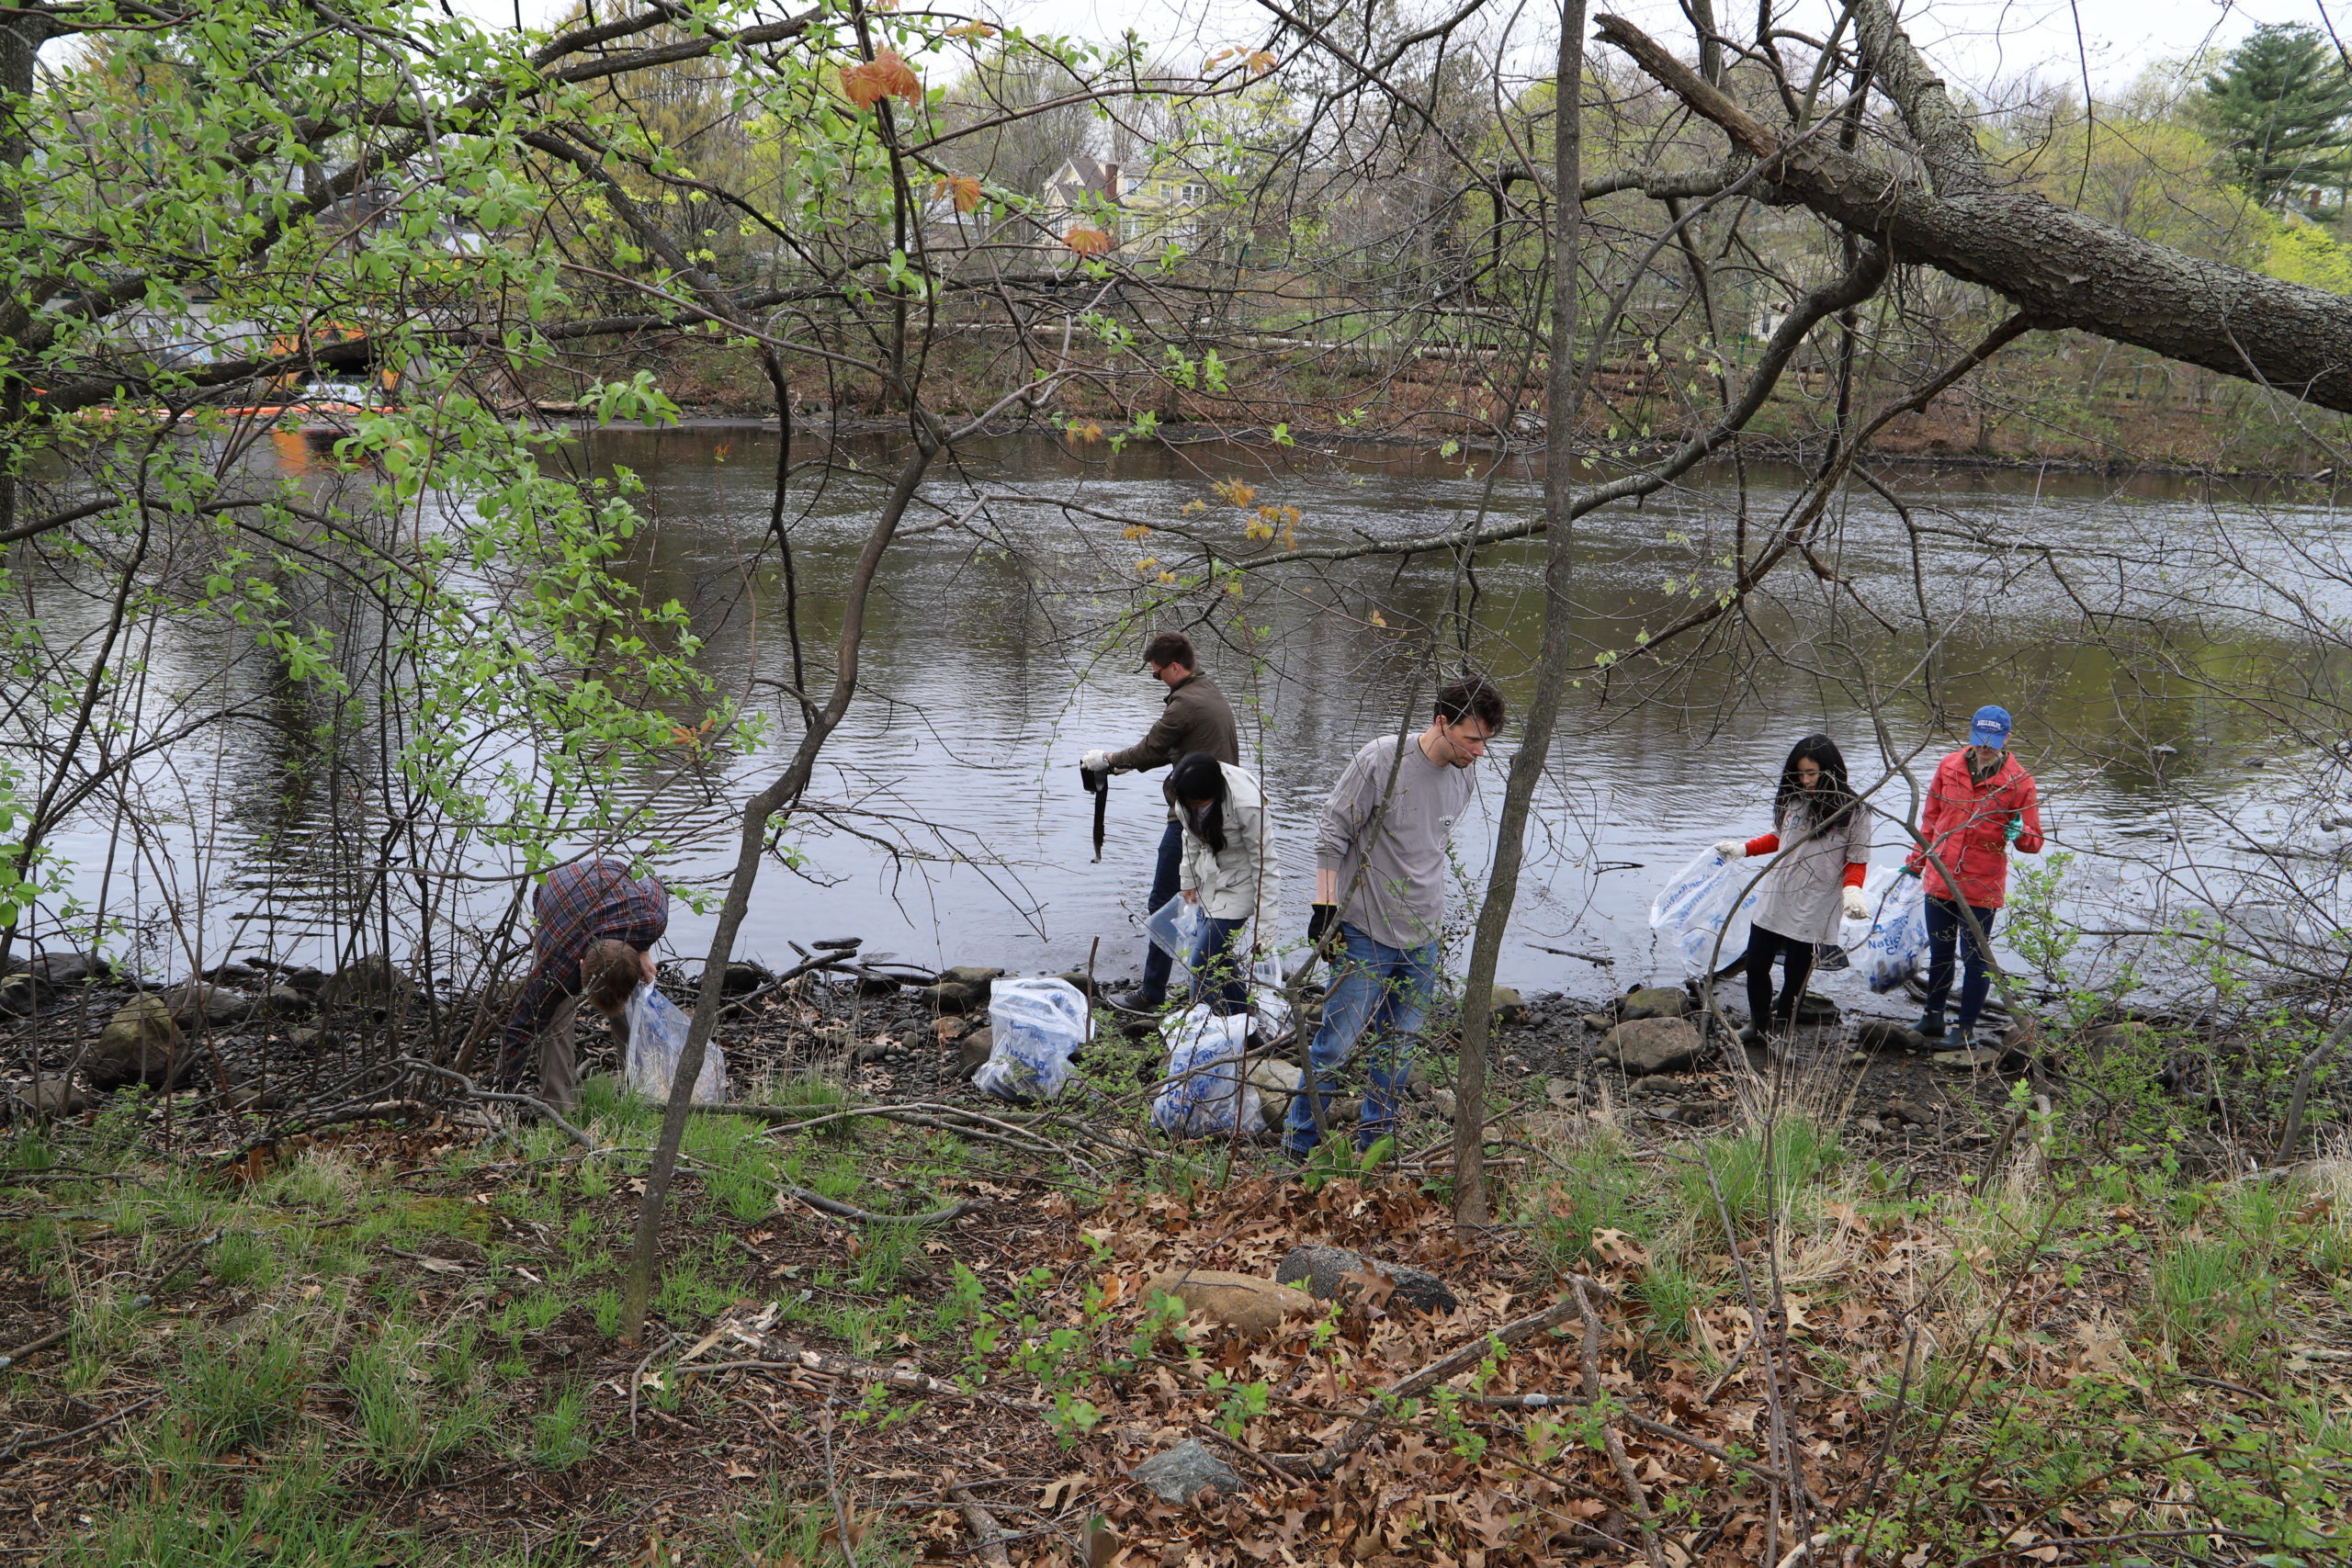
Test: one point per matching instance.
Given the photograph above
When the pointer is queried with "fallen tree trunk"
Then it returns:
(2062, 268)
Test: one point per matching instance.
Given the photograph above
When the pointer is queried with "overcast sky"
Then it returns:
(1974, 42)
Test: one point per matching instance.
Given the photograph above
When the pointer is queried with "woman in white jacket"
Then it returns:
(1228, 870)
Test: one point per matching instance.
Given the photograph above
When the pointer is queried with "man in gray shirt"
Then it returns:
(1380, 864)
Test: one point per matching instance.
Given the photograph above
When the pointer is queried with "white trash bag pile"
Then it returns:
(1204, 1089)
(1036, 1026)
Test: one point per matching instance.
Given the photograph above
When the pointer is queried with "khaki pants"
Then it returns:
(558, 1048)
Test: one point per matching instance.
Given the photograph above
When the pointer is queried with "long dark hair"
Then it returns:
(1828, 803)
(1198, 776)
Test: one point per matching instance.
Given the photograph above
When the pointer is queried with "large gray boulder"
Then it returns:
(1324, 1273)
(1653, 1001)
(1654, 1046)
(1182, 1473)
(140, 1045)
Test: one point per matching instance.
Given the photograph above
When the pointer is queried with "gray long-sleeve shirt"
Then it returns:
(1402, 900)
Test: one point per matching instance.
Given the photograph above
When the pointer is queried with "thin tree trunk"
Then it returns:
(1552, 667)
(781, 795)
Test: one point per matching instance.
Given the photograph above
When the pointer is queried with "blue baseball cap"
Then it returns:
(1990, 726)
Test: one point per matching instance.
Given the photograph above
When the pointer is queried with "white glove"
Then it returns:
(1857, 906)
(1733, 849)
(1096, 762)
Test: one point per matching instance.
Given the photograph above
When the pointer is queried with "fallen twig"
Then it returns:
(1437, 1371)
(840, 1211)
(987, 1535)
(547, 1113)
(792, 1360)
(26, 1445)
(1583, 1290)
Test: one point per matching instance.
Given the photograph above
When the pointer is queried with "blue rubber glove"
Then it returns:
(2017, 826)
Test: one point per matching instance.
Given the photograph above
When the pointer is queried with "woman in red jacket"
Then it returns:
(1979, 803)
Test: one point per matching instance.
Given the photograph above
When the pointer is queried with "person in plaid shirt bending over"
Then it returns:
(596, 923)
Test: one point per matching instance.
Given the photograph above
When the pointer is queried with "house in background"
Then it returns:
(1162, 205)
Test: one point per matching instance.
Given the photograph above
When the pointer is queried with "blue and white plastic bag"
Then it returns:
(1179, 928)
(1889, 955)
(1698, 901)
(1204, 1089)
(657, 1037)
(1036, 1026)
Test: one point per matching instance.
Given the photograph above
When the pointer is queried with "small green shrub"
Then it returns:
(241, 1259)
(560, 1434)
(405, 1437)
(237, 1396)
(1756, 1174)
(1673, 1292)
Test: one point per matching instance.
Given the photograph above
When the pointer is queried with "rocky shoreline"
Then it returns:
(254, 1039)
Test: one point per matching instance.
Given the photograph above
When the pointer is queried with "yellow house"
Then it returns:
(1161, 206)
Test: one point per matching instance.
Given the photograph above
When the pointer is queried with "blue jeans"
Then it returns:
(1156, 963)
(1946, 930)
(1377, 988)
(1217, 977)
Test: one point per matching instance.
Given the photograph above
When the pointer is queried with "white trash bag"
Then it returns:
(656, 1036)
(1178, 929)
(1697, 902)
(1890, 954)
(1036, 1026)
(1203, 1088)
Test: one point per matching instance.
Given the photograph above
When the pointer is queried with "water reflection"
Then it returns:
(995, 657)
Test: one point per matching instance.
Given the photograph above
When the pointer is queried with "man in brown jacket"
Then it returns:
(1196, 718)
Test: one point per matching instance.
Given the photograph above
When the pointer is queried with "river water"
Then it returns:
(2107, 614)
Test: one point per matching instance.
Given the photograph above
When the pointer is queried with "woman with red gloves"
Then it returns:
(1980, 804)
(1816, 881)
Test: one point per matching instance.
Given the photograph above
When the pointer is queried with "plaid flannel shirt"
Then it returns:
(579, 905)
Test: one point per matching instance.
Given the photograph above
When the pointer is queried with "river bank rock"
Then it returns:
(1253, 1306)
(978, 1046)
(371, 981)
(1649, 1046)
(1880, 1034)
(1326, 1273)
(196, 1003)
(140, 1045)
(1815, 1011)
(945, 999)
(68, 968)
(1510, 1011)
(974, 977)
(1277, 1083)
(46, 1100)
(1184, 1471)
(1653, 1001)
(284, 1001)
(19, 994)
(743, 976)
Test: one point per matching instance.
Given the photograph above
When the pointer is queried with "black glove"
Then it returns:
(1319, 922)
